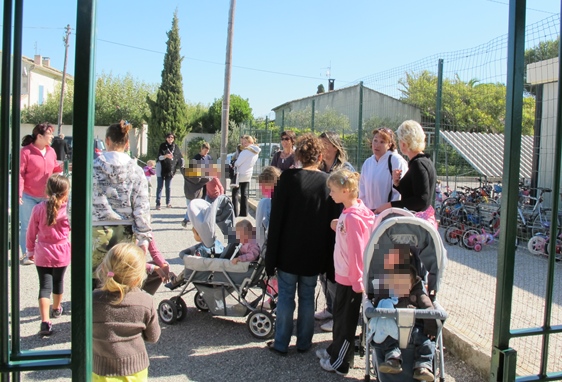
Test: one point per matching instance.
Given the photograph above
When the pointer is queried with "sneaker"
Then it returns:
(158, 208)
(322, 354)
(169, 206)
(46, 329)
(56, 313)
(328, 326)
(423, 374)
(27, 260)
(326, 365)
(392, 366)
(184, 223)
(322, 315)
(175, 281)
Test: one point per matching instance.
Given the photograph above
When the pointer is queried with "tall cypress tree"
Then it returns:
(169, 111)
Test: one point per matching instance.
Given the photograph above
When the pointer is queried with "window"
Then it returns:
(40, 96)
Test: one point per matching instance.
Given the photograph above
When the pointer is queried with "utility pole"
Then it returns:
(226, 94)
(65, 39)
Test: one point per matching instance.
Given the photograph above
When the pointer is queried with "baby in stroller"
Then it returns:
(405, 289)
(403, 266)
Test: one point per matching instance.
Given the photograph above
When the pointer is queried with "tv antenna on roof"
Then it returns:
(328, 70)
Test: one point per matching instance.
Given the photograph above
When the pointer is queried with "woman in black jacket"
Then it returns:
(169, 154)
(300, 242)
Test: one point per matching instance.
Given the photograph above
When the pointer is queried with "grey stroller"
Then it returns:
(396, 227)
(223, 288)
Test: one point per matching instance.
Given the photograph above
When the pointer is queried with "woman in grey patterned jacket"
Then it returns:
(121, 208)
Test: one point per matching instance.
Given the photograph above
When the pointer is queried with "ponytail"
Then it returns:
(58, 187)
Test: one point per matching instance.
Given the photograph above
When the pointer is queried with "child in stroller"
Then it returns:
(245, 233)
(397, 229)
(223, 288)
(404, 289)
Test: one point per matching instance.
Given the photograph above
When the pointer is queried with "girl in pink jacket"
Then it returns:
(353, 230)
(47, 240)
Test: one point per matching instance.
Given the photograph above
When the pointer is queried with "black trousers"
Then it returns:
(346, 309)
(243, 189)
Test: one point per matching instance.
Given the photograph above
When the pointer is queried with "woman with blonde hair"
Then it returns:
(124, 317)
(417, 187)
(244, 166)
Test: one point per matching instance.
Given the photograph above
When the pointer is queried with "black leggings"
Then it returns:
(50, 280)
(243, 199)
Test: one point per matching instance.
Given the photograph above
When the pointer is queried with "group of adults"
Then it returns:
(300, 241)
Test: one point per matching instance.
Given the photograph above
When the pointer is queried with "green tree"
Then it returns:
(240, 112)
(197, 118)
(116, 98)
(467, 105)
(168, 110)
(320, 89)
(543, 51)
(122, 98)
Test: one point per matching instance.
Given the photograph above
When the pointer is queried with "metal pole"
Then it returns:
(81, 274)
(226, 93)
(61, 103)
(4, 191)
(312, 118)
(438, 106)
(504, 358)
(360, 127)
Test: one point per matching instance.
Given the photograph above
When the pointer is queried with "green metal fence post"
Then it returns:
(312, 119)
(508, 224)
(360, 127)
(81, 274)
(4, 192)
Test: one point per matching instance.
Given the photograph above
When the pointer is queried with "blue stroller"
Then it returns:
(396, 227)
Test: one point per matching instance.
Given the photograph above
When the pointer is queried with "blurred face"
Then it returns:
(266, 189)
(286, 142)
(170, 139)
(45, 139)
(242, 234)
(399, 284)
(339, 194)
(379, 146)
(330, 150)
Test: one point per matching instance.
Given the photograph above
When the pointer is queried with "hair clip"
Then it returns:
(343, 180)
(110, 274)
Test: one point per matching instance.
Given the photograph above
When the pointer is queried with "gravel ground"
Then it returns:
(201, 347)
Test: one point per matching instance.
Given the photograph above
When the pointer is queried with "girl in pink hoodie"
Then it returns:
(353, 230)
(47, 240)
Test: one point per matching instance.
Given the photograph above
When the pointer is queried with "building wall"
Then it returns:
(346, 102)
(35, 80)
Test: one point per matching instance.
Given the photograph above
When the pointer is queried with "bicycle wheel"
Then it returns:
(453, 234)
(469, 238)
(541, 224)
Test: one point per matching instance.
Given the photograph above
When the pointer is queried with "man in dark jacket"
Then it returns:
(60, 146)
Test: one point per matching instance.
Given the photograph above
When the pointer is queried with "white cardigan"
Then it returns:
(245, 163)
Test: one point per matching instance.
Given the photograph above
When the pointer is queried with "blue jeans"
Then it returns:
(288, 284)
(424, 349)
(25, 214)
(159, 184)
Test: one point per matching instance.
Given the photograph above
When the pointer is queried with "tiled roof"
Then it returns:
(484, 152)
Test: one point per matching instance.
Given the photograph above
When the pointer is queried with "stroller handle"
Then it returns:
(422, 314)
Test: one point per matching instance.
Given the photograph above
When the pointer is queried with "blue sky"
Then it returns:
(281, 49)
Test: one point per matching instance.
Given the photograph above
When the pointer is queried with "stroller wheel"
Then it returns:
(200, 303)
(168, 312)
(261, 324)
(180, 306)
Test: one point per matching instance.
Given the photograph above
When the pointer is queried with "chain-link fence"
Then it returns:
(468, 111)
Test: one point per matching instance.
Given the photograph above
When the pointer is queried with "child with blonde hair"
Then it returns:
(123, 317)
(353, 230)
(47, 241)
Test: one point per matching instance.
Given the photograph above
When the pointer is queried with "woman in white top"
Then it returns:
(375, 185)
(244, 166)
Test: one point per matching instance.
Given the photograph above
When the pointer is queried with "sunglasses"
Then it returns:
(386, 130)
(285, 139)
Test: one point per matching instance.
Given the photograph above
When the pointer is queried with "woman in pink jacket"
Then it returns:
(47, 241)
(38, 161)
